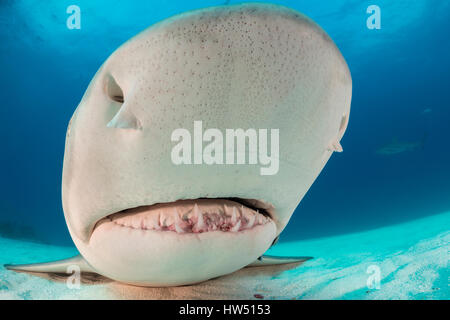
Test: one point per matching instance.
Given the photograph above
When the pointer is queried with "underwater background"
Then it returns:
(395, 165)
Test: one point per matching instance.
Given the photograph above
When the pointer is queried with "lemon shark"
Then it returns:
(396, 146)
(138, 218)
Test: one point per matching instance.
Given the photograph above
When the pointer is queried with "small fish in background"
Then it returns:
(427, 110)
(396, 146)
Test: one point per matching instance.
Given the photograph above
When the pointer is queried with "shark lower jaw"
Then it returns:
(195, 216)
(181, 242)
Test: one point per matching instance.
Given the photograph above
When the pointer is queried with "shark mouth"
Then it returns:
(195, 216)
(180, 242)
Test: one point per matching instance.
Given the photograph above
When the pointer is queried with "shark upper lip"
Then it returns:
(195, 216)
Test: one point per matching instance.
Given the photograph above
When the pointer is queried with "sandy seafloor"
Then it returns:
(412, 259)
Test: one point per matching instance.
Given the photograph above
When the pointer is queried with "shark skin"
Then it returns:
(136, 217)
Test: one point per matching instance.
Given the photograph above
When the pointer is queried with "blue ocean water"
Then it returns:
(395, 164)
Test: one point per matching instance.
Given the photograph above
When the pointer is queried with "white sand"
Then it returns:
(412, 259)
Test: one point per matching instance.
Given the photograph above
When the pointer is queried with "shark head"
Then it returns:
(137, 217)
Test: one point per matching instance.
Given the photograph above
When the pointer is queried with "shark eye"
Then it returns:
(113, 90)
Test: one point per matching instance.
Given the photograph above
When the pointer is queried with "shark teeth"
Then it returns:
(152, 222)
(188, 216)
(178, 222)
(234, 216)
(236, 227)
(199, 215)
(251, 218)
(163, 220)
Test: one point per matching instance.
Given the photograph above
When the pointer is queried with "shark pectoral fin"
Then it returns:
(273, 260)
(59, 266)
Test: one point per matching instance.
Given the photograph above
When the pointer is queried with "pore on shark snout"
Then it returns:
(137, 217)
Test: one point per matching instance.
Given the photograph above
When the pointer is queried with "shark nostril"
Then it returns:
(113, 90)
(120, 113)
(118, 99)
